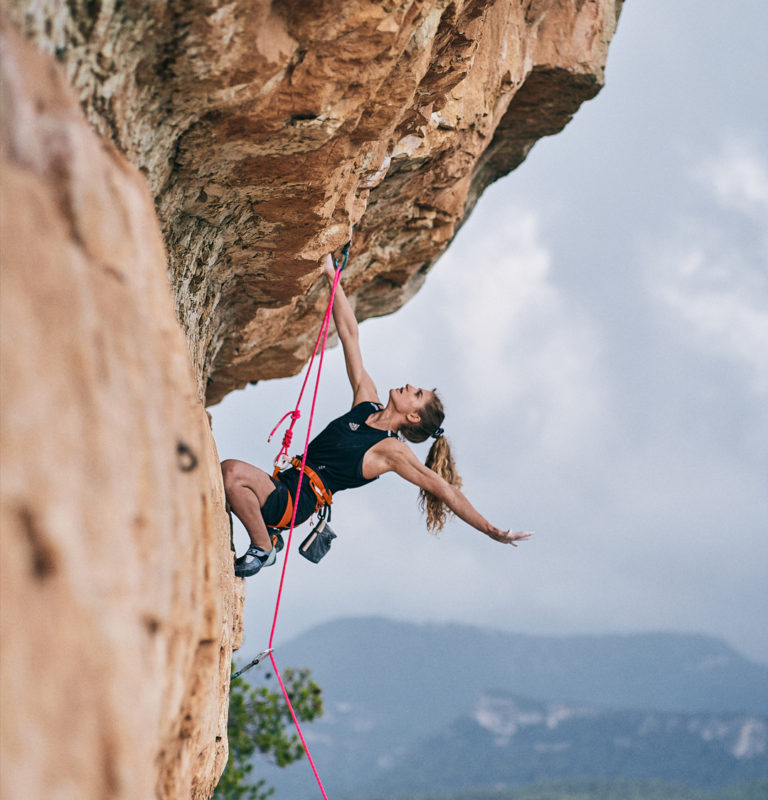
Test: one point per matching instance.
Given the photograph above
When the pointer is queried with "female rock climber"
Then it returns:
(354, 450)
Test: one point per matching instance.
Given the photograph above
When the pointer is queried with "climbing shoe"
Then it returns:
(253, 560)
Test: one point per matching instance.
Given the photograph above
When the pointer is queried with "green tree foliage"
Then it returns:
(260, 720)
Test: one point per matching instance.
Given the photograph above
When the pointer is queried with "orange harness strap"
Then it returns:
(323, 496)
(285, 520)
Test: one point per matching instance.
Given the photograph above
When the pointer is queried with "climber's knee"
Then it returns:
(241, 475)
(231, 472)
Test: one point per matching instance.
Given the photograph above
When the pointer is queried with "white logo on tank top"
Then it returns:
(353, 426)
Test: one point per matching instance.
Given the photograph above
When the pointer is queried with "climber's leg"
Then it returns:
(247, 488)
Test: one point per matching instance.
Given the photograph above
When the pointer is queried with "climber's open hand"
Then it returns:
(505, 537)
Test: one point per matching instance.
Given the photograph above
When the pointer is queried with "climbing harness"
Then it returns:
(322, 495)
(282, 461)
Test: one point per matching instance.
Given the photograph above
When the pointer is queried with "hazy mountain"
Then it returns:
(392, 688)
(509, 741)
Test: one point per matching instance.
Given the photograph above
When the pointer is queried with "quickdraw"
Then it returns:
(259, 658)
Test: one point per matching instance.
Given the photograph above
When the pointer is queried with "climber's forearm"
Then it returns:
(343, 315)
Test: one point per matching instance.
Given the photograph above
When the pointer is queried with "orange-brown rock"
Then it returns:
(234, 144)
(118, 598)
(267, 128)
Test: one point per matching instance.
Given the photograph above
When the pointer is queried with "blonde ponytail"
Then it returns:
(439, 460)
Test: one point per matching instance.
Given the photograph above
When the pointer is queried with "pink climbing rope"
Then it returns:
(298, 727)
(296, 413)
(324, 335)
(324, 328)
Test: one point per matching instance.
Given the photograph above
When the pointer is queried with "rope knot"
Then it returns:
(294, 415)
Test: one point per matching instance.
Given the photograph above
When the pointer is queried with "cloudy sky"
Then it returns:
(599, 334)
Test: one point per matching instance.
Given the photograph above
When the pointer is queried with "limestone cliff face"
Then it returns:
(118, 599)
(266, 129)
(226, 147)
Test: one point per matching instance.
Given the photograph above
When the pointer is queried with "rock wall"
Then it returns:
(119, 610)
(168, 188)
(266, 129)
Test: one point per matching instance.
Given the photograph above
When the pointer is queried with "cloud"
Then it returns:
(711, 271)
(725, 319)
(737, 177)
(520, 345)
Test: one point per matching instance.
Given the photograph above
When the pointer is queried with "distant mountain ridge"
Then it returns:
(392, 687)
(509, 741)
(664, 671)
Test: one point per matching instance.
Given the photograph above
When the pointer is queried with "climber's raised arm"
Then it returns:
(363, 387)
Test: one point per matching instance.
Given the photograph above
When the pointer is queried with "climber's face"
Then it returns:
(410, 400)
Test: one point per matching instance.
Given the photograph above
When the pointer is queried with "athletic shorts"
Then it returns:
(274, 507)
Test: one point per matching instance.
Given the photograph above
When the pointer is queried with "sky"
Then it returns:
(598, 332)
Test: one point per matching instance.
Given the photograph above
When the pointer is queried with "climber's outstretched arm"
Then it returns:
(395, 456)
(363, 387)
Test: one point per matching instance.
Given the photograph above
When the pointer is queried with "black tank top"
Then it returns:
(336, 454)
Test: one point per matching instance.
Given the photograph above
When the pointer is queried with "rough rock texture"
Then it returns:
(262, 131)
(118, 598)
(267, 128)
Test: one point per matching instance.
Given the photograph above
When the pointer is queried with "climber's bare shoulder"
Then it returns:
(394, 455)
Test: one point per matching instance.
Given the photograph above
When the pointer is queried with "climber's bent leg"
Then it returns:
(247, 489)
